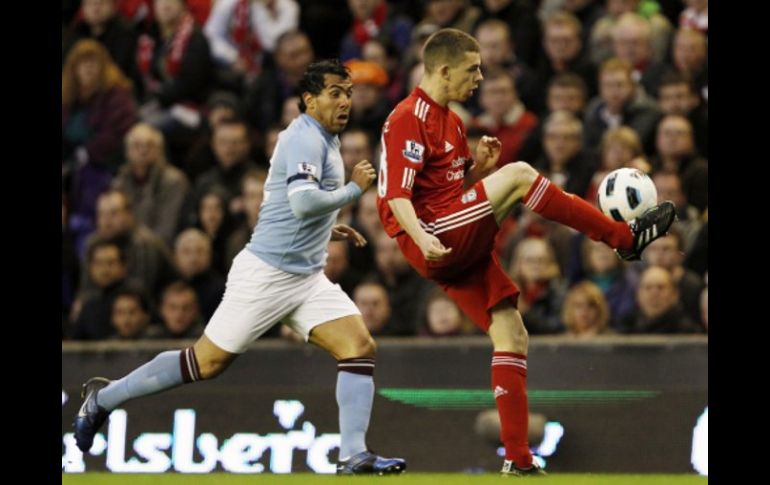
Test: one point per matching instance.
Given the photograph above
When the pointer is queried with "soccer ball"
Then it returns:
(626, 193)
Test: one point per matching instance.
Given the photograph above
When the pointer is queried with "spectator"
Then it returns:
(535, 271)
(175, 66)
(620, 103)
(668, 253)
(241, 31)
(374, 19)
(338, 268)
(192, 254)
(566, 92)
(504, 115)
(522, 18)
(372, 299)
(585, 312)
(658, 309)
(131, 315)
(675, 153)
(101, 22)
(443, 318)
(180, 313)
(253, 190)
(677, 96)
(601, 47)
(264, 99)
(370, 106)
(97, 110)
(565, 162)
(563, 53)
(147, 257)
(156, 188)
(106, 267)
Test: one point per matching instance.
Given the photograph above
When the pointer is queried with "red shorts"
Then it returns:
(471, 274)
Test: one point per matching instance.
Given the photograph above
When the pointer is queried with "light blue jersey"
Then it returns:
(306, 161)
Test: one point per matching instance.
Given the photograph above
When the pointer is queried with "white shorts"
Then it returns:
(258, 296)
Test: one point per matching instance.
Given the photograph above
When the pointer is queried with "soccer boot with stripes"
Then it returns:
(648, 227)
(510, 469)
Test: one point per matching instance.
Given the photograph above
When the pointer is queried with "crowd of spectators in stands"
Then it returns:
(171, 110)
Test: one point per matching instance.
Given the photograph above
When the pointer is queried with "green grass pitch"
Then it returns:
(406, 479)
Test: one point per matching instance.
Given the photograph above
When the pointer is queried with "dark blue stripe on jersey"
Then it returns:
(302, 176)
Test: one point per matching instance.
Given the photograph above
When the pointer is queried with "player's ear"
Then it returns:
(443, 71)
(309, 100)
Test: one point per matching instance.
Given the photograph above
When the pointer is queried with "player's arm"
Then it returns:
(487, 154)
(403, 152)
(307, 198)
(310, 200)
(430, 245)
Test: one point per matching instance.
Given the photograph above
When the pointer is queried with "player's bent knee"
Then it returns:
(366, 346)
(520, 340)
(359, 345)
(211, 368)
(522, 172)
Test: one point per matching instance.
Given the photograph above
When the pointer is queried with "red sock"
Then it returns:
(553, 203)
(509, 382)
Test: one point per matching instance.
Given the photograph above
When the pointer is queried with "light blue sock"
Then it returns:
(355, 395)
(161, 373)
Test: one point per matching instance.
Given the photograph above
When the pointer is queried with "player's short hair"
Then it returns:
(447, 46)
(313, 81)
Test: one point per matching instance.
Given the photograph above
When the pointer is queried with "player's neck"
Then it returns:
(435, 90)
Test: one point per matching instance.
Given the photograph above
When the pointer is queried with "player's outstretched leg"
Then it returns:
(166, 371)
(629, 239)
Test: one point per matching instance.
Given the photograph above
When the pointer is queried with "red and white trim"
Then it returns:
(189, 364)
(362, 366)
(407, 180)
(458, 219)
(512, 361)
(537, 194)
(421, 109)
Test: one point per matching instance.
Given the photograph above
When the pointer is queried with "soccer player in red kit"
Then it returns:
(444, 208)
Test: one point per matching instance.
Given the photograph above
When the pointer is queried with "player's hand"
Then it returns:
(363, 174)
(487, 154)
(343, 232)
(432, 249)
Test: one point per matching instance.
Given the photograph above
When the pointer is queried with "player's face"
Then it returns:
(465, 77)
(332, 105)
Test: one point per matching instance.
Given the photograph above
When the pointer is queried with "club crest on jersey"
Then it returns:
(469, 196)
(307, 168)
(413, 151)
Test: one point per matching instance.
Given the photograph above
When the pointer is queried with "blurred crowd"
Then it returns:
(171, 110)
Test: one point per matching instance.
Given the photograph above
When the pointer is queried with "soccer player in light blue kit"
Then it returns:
(278, 277)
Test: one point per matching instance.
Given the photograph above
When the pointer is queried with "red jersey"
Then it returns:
(424, 158)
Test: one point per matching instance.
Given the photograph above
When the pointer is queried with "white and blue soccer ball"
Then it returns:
(626, 193)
